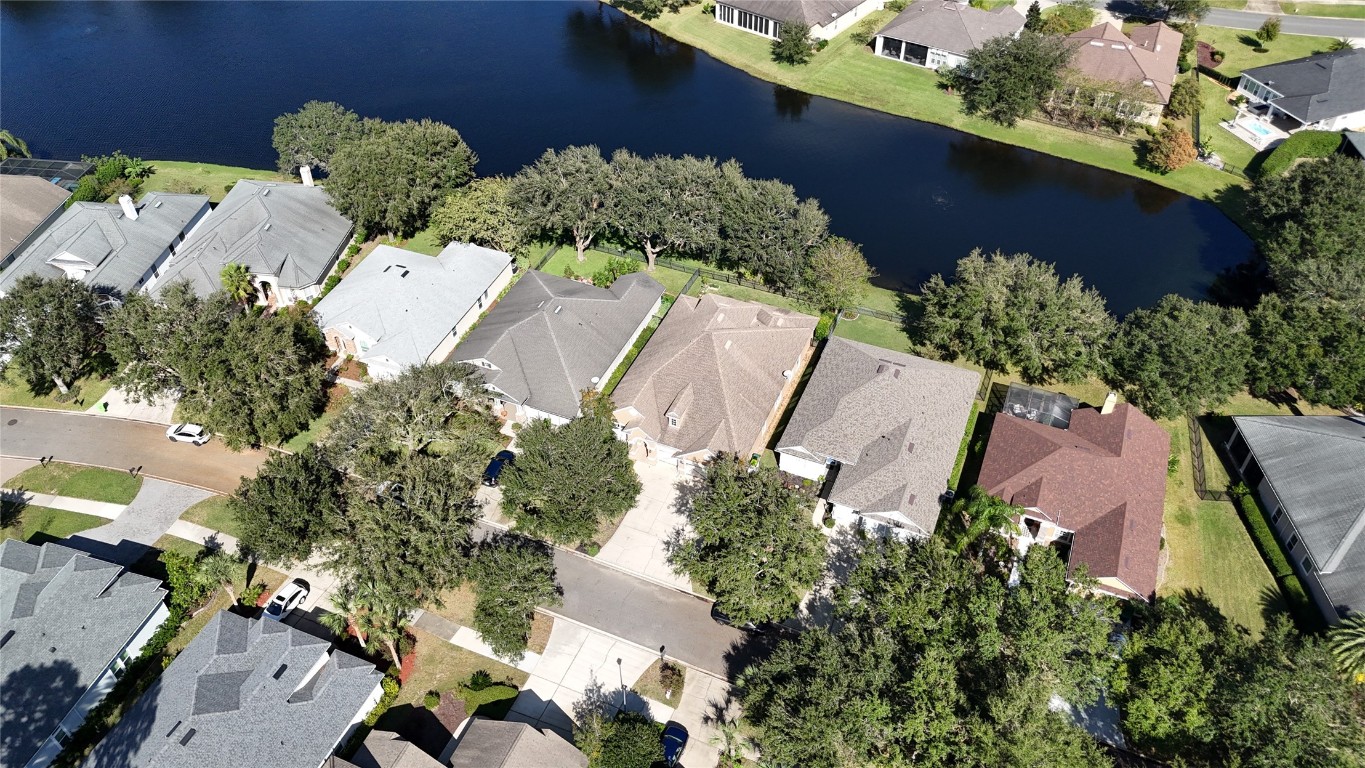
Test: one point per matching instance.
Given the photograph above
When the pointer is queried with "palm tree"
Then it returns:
(1340, 44)
(12, 145)
(219, 570)
(237, 282)
(1347, 641)
(363, 607)
(983, 513)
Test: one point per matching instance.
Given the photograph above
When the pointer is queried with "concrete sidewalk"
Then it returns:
(467, 638)
(121, 405)
(67, 503)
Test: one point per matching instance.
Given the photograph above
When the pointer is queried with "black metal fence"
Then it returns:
(1197, 463)
(550, 254)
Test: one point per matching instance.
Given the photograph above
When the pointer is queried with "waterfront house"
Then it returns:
(115, 248)
(64, 173)
(69, 626)
(288, 236)
(1094, 490)
(398, 309)
(1322, 92)
(940, 33)
(711, 379)
(1309, 472)
(826, 18)
(550, 339)
(28, 206)
(245, 693)
(881, 431)
(1145, 61)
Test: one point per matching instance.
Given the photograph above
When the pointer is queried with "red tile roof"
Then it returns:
(1104, 479)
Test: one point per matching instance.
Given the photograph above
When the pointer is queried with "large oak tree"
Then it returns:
(49, 330)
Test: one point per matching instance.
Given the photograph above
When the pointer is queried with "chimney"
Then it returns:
(306, 174)
(129, 209)
(1110, 400)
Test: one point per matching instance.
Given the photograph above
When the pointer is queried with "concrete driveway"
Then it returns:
(638, 545)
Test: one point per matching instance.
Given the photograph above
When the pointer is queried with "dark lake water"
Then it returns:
(204, 81)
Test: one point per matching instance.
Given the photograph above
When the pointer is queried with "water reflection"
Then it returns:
(602, 40)
(1003, 169)
(791, 104)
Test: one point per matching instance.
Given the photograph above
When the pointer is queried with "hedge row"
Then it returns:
(1301, 606)
(1301, 144)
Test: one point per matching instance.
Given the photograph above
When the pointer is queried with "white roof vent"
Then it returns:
(596, 379)
(561, 306)
(787, 374)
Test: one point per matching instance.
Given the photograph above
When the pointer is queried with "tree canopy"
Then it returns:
(512, 577)
(565, 193)
(753, 545)
(793, 44)
(390, 179)
(1180, 356)
(1189, 10)
(312, 135)
(1006, 79)
(481, 213)
(285, 511)
(1013, 311)
(1316, 348)
(836, 276)
(665, 203)
(765, 229)
(50, 330)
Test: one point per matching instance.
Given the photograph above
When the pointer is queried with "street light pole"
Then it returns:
(621, 675)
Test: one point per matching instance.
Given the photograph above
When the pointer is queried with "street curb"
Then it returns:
(88, 413)
(213, 491)
(653, 651)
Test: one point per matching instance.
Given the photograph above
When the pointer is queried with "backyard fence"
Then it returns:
(891, 317)
(1218, 77)
(550, 254)
(1197, 463)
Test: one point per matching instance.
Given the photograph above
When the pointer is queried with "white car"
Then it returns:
(289, 597)
(187, 433)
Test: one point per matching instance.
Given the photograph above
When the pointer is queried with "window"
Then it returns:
(63, 738)
(672, 420)
(1293, 542)
(1307, 563)
(1275, 518)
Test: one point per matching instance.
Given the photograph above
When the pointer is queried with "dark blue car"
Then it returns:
(675, 741)
(490, 475)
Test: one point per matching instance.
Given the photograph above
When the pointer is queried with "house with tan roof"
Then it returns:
(940, 33)
(882, 430)
(711, 378)
(1095, 490)
(1145, 61)
(28, 205)
(826, 18)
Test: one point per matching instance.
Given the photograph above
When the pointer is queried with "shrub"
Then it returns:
(822, 327)
(252, 594)
(343, 265)
(1217, 56)
(615, 267)
(1173, 464)
(87, 190)
(896, 5)
(330, 284)
(793, 44)
(1259, 525)
(1171, 149)
(821, 45)
(570, 274)
(632, 741)
(361, 233)
(670, 677)
(708, 8)
(864, 32)
(432, 700)
(479, 680)
(1184, 98)
(390, 685)
(1301, 144)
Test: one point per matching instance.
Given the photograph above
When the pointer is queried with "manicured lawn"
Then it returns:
(672, 279)
(852, 73)
(457, 605)
(44, 524)
(651, 687)
(214, 513)
(425, 242)
(1325, 9)
(79, 482)
(338, 397)
(177, 176)
(1240, 46)
(1215, 108)
(85, 393)
(540, 633)
(1235, 5)
(875, 331)
(440, 666)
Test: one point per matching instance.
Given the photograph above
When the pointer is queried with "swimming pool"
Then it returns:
(1259, 130)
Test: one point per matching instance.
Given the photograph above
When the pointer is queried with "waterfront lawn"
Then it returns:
(852, 73)
(177, 176)
(87, 391)
(1215, 108)
(79, 482)
(1325, 9)
(566, 257)
(38, 525)
(1240, 46)
(877, 332)
(425, 241)
(215, 514)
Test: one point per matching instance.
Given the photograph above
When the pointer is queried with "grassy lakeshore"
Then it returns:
(852, 73)
(177, 176)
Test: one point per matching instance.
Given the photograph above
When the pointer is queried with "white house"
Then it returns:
(398, 308)
(935, 33)
(880, 430)
(69, 626)
(550, 339)
(288, 236)
(826, 18)
(1322, 92)
(115, 248)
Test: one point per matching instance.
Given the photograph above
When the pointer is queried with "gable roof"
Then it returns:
(113, 250)
(1317, 87)
(1149, 57)
(290, 231)
(409, 302)
(893, 421)
(950, 26)
(506, 744)
(814, 13)
(386, 749)
(1104, 479)
(26, 202)
(718, 364)
(244, 693)
(1316, 466)
(549, 336)
(64, 616)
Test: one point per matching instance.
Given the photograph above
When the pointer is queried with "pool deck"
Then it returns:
(1254, 131)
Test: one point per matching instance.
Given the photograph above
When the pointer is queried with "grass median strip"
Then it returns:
(38, 525)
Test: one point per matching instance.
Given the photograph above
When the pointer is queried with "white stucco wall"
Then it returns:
(801, 467)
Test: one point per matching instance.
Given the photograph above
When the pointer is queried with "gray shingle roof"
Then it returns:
(717, 363)
(1318, 87)
(811, 12)
(386, 749)
(287, 230)
(499, 744)
(408, 302)
(549, 336)
(953, 27)
(69, 615)
(118, 250)
(25, 203)
(244, 693)
(865, 407)
(1316, 464)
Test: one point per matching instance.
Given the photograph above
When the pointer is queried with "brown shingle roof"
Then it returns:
(1149, 57)
(1104, 479)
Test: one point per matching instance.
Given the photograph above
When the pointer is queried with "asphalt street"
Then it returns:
(83, 438)
(601, 597)
(1289, 24)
